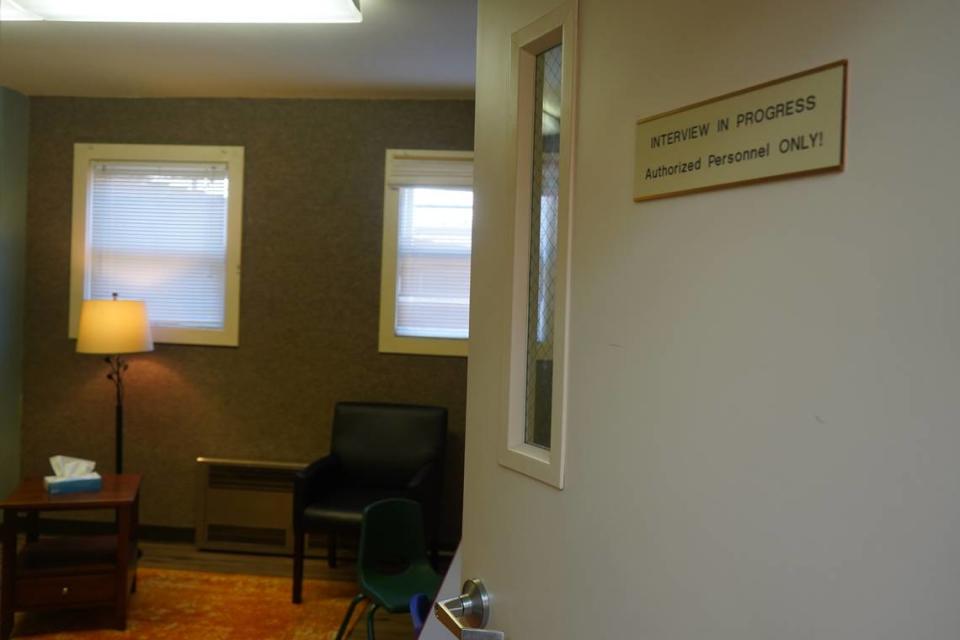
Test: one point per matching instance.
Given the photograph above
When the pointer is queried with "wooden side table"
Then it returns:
(70, 572)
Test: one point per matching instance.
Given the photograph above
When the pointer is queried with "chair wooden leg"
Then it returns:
(298, 536)
(357, 599)
(332, 550)
(370, 613)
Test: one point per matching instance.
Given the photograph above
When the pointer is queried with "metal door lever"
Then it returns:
(471, 608)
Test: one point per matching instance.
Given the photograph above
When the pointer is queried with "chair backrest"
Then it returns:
(391, 536)
(384, 445)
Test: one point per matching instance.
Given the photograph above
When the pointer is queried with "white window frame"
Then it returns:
(394, 179)
(84, 154)
(557, 27)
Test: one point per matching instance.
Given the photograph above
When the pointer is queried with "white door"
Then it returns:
(760, 405)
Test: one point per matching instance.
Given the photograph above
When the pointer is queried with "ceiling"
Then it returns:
(402, 49)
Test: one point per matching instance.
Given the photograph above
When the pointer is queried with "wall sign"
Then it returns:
(787, 127)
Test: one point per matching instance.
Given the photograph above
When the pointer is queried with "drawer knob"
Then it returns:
(65, 591)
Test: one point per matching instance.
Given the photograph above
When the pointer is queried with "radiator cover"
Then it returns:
(245, 505)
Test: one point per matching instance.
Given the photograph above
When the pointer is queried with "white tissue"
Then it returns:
(67, 467)
(73, 475)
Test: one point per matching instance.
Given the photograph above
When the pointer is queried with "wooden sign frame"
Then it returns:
(839, 166)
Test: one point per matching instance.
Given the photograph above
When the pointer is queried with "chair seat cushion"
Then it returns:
(392, 591)
(344, 507)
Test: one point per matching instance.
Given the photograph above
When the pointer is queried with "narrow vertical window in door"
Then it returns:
(543, 61)
(544, 204)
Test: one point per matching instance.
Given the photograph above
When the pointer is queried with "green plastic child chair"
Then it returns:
(393, 563)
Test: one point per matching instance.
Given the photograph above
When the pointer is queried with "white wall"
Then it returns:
(764, 435)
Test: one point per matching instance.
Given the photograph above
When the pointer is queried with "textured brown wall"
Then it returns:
(313, 208)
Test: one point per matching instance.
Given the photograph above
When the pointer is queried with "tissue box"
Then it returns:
(75, 484)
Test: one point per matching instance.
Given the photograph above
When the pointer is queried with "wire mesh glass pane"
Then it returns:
(541, 296)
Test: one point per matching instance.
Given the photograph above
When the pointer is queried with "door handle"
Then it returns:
(467, 614)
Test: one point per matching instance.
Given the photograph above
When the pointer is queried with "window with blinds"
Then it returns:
(162, 230)
(428, 222)
(433, 263)
(158, 232)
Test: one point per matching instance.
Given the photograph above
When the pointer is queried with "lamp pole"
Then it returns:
(117, 366)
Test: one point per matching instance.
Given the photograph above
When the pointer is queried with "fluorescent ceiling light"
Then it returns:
(232, 11)
(10, 11)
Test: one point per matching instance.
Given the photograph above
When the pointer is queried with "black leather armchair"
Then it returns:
(377, 451)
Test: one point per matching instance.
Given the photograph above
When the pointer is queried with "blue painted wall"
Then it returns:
(14, 114)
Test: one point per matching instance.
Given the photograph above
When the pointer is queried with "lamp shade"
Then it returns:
(113, 327)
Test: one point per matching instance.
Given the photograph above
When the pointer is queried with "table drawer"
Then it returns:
(65, 591)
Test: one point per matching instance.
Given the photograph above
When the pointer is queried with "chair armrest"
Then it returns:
(310, 483)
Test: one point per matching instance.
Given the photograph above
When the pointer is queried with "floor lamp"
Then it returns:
(114, 328)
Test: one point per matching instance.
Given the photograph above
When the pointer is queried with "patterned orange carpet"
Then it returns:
(191, 605)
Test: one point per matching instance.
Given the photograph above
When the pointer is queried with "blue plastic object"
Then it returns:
(419, 610)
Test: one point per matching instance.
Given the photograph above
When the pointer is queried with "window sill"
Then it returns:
(424, 346)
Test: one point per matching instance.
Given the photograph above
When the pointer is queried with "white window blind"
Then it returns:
(157, 231)
(427, 169)
(433, 262)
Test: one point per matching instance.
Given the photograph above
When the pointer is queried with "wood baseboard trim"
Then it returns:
(161, 533)
(150, 532)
